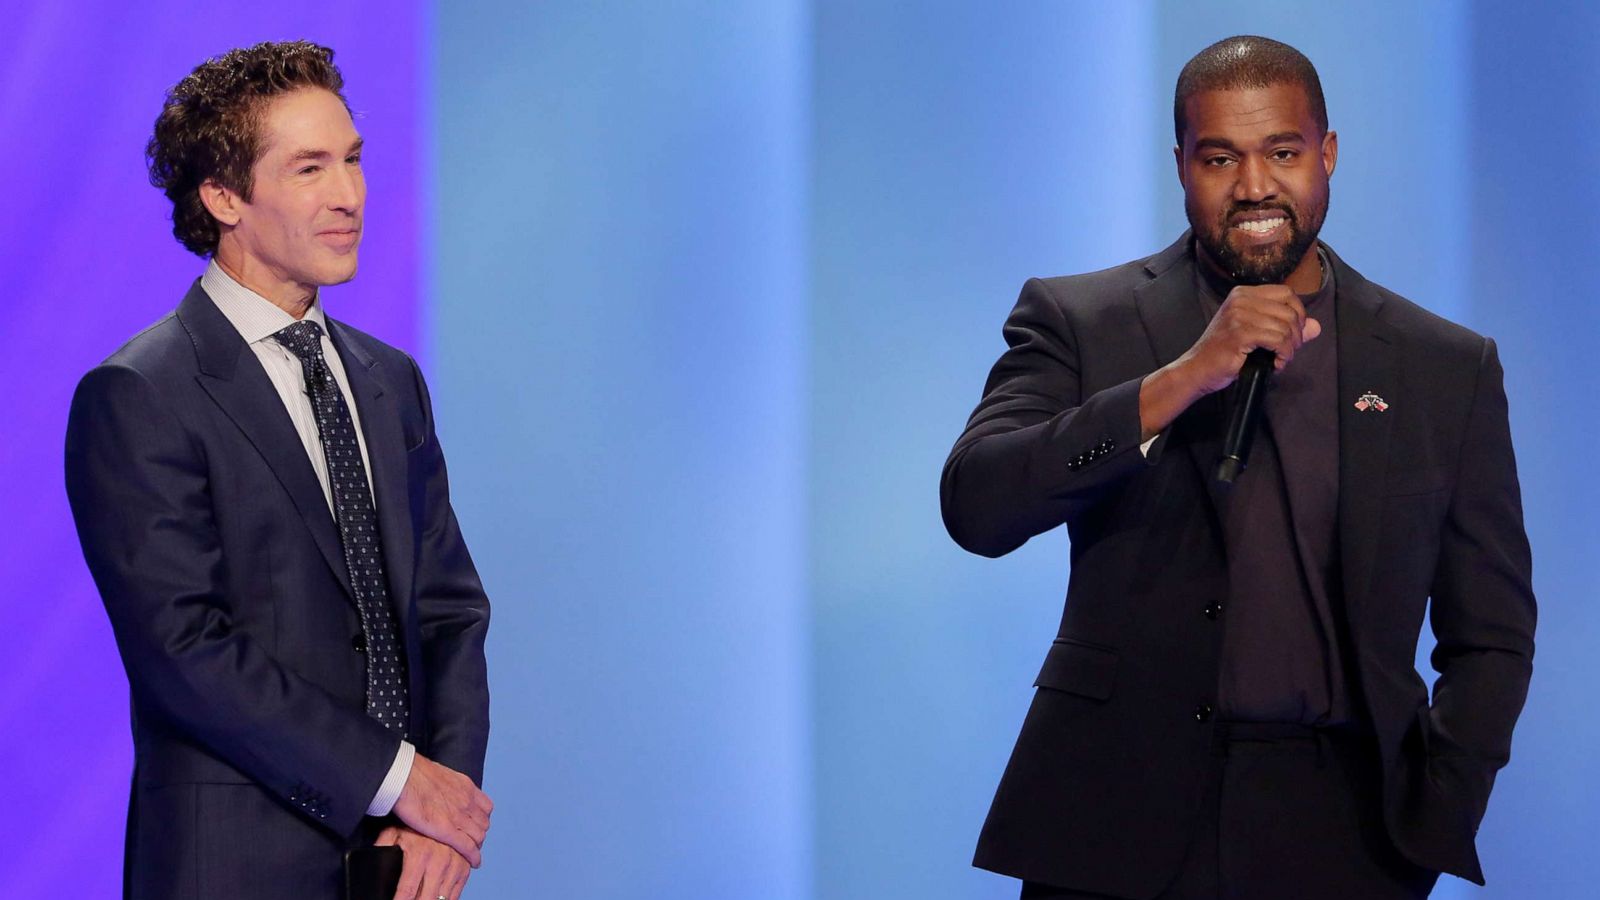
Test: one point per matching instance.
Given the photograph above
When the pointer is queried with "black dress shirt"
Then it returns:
(1282, 652)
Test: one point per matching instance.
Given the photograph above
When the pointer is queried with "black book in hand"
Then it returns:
(372, 873)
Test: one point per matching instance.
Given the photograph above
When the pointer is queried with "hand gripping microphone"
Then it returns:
(1246, 414)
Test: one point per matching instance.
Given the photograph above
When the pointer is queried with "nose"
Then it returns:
(1255, 183)
(347, 189)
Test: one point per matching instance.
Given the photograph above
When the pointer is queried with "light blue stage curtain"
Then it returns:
(1531, 143)
(960, 149)
(619, 327)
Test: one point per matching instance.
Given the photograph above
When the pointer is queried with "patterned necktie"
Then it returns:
(358, 528)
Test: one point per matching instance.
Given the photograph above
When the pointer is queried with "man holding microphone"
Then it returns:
(1230, 707)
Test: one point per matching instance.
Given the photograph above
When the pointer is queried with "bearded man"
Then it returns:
(1230, 707)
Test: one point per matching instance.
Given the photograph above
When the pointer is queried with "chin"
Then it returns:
(339, 272)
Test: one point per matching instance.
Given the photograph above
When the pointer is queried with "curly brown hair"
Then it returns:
(209, 126)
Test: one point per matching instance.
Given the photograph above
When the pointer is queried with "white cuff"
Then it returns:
(394, 782)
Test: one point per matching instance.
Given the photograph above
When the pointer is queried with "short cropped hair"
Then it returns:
(1246, 61)
(209, 127)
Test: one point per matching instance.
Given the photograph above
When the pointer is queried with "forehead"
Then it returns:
(1240, 114)
(306, 119)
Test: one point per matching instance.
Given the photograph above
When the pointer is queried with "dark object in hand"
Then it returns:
(372, 873)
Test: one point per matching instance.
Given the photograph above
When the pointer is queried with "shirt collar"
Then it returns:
(255, 317)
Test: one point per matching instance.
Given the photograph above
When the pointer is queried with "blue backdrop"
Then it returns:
(705, 290)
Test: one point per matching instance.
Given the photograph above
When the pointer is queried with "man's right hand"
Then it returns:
(445, 805)
(1268, 316)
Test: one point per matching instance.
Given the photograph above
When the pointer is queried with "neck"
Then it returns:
(294, 299)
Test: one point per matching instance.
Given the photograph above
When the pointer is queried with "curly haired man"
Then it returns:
(262, 501)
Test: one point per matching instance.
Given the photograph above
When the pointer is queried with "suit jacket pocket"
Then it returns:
(1079, 668)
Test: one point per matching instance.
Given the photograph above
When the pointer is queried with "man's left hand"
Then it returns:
(432, 870)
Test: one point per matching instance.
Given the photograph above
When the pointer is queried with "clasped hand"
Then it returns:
(443, 804)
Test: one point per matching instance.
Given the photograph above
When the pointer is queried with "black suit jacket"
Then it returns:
(221, 568)
(1103, 786)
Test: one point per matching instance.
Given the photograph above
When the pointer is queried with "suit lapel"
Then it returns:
(386, 450)
(234, 379)
(1366, 363)
(1173, 321)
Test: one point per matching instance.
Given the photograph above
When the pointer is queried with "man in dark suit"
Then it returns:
(1231, 708)
(262, 500)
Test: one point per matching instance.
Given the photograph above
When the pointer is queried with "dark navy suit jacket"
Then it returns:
(220, 565)
(1103, 787)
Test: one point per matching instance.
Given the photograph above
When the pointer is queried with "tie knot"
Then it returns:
(303, 339)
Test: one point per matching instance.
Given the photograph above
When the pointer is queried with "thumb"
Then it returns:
(387, 837)
(1311, 330)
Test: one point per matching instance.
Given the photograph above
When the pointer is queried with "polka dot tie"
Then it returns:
(358, 528)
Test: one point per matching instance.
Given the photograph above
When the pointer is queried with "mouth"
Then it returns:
(1261, 226)
(341, 239)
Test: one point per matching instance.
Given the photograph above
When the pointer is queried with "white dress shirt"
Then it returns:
(257, 319)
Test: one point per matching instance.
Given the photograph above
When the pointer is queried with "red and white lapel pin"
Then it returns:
(1371, 402)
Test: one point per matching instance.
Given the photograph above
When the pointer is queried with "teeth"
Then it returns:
(1260, 226)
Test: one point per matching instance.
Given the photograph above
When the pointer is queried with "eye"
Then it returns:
(1218, 162)
(307, 170)
(353, 159)
(1284, 154)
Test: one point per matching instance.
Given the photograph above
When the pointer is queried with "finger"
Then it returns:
(459, 872)
(1290, 314)
(435, 879)
(387, 837)
(1271, 334)
(476, 827)
(477, 816)
(410, 877)
(1312, 329)
(1281, 344)
(1292, 301)
(1249, 322)
(464, 844)
(456, 829)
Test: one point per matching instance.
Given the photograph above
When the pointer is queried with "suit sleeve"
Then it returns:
(453, 617)
(1036, 452)
(1483, 608)
(139, 490)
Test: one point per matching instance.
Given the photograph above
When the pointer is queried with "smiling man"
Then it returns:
(262, 500)
(1230, 707)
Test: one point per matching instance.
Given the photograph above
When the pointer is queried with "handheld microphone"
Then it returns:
(1246, 414)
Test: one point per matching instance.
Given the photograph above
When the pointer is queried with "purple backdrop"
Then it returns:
(88, 259)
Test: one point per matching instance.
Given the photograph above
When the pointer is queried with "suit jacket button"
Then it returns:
(359, 643)
(1202, 713)
(1213, 611)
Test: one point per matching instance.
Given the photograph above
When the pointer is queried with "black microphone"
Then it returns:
(1246, 414)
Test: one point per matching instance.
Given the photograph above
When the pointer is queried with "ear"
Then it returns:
(1177, 157)
(221, 202)
(1330, 151)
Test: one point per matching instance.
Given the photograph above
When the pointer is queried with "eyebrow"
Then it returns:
(1279, 137)
(316, 155)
